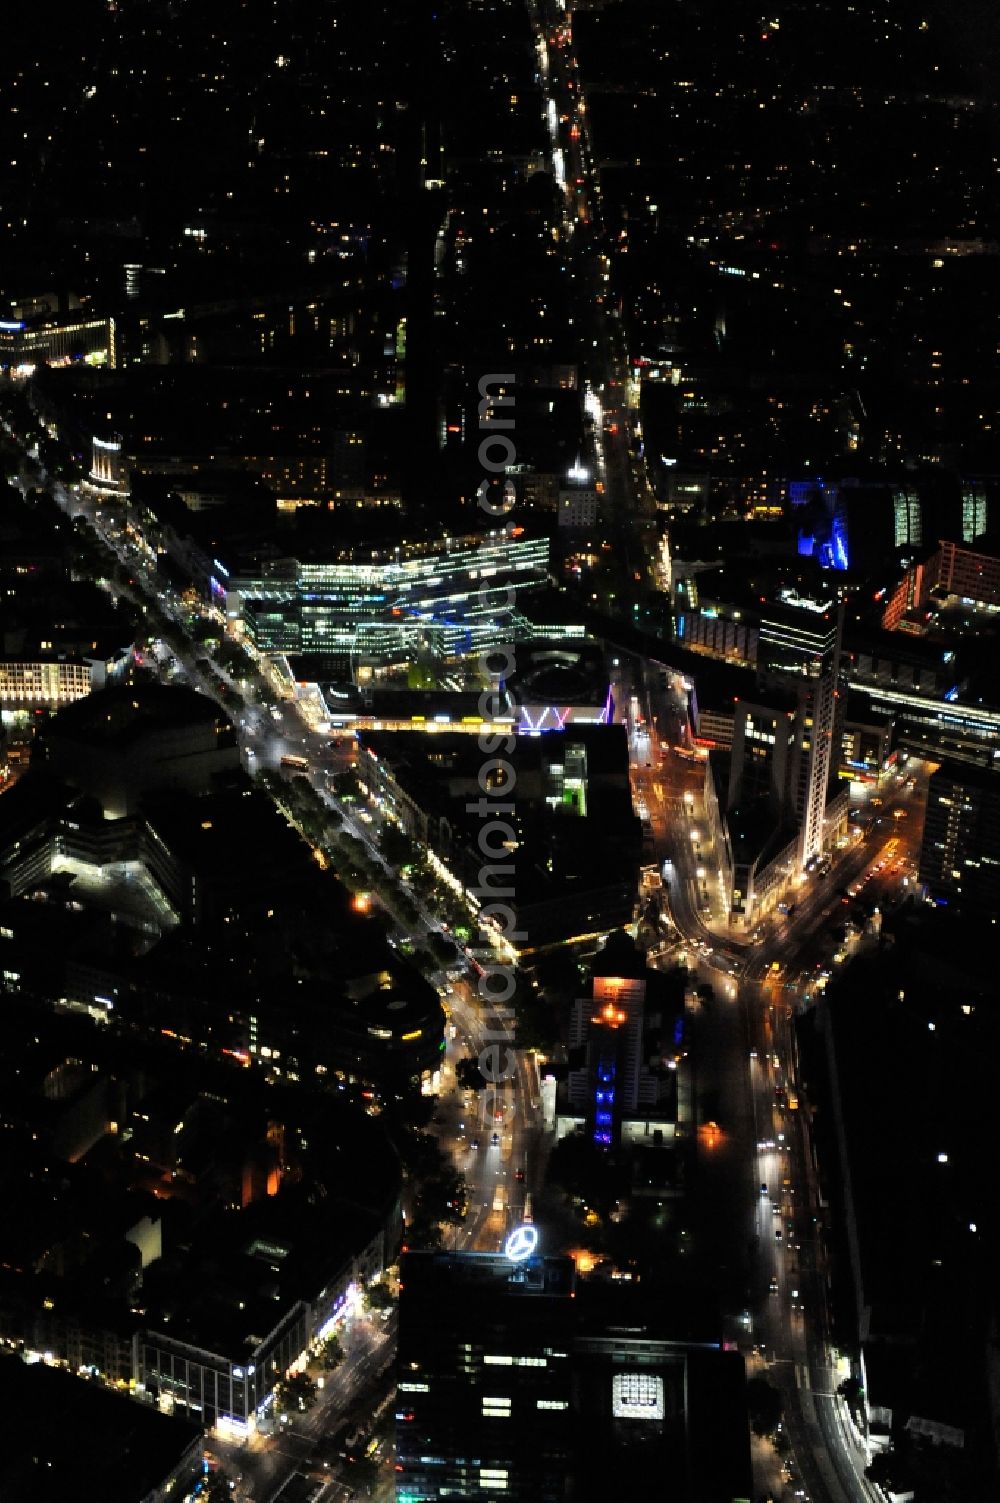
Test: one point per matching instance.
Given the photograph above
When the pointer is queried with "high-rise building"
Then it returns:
(795, 633)
(764, 747)
(607, 1028)
(625, 1034)
(654, 1416)
(800, 646)
(821, 719)
(517, 1381)
(821, 513)
(484, 1390)
(960, 854)
(975, 512)
(611, 1025)
(780, 786)
(907, 518)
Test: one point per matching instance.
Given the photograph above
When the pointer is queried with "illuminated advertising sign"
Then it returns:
(521, 1243)
(637, 1396)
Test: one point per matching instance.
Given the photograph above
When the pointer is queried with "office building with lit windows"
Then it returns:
(907, 518)
(48, 681)
(778, 751)
(484, 1389)
(960, 853)
(759, 829)
(654, 1397)
(284, 1271)
(519, 1381)
(800, 649)
(785, 804)
(796, 634)
(57, 340)
(975, 511)
(899, 671)
(454, 596)
(763, 747)
(970, 575)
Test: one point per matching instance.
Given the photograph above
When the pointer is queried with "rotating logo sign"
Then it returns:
(521, 1243)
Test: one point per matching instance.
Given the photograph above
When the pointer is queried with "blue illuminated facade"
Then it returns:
(823, 525)
(604, 1101)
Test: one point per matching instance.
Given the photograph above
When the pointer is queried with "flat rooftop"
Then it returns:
(68, 1438)
(121, 716)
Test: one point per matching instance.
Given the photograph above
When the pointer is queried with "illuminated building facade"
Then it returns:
(910, 595)
(822, 522)
(800, 647)
(609, 1027)
(720, 630)
(969, 575)
(796, 633)
(648, 1407)
(55, 681)
(907, 518)
(578, 507)
(519, 1381)
(612, 1081)
(370, 708)
(903, 676)
(484, 1395)
(107, 465)
(820, 757)
(778, 791)
(225, 1388)
(960, 853)
(25, 343)
(558, 683)
(763, 745)
(975, 512)
(229, 1343)
(446, 599)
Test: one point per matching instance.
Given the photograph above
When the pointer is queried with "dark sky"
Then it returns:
(969, 31)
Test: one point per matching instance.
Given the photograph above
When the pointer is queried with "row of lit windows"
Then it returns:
(504, 1361)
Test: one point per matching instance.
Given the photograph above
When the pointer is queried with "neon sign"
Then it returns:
(521, 1243)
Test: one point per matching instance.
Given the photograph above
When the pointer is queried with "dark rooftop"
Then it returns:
(559, 673)
(66, 1438)
(753, 833)
(123, 715)
(426, 1273)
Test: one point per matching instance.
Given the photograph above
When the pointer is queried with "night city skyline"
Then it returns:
(499, 751)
